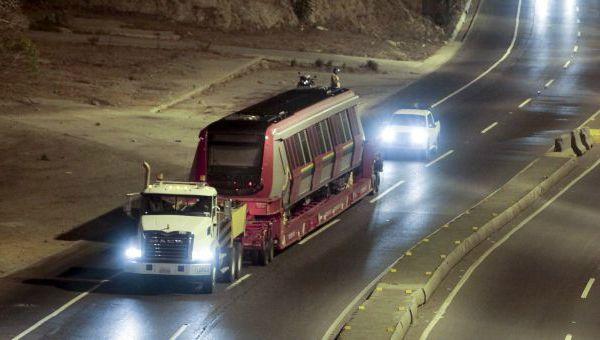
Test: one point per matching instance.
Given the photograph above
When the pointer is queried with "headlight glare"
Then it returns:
(419, 137)
(133, 253)
(203, 254)
(387, 135)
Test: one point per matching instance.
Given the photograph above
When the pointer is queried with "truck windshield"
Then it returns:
(177, 205)
(408, 120)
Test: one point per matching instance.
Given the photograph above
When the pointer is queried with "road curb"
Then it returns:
(237, 72)
(393, 305)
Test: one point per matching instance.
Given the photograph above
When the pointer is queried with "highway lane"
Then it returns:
(540, 282)
(307, 287)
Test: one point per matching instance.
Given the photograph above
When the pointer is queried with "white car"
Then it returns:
(411, 130)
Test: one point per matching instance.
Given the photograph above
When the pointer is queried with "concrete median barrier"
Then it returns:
(576, 142)
(389, 311)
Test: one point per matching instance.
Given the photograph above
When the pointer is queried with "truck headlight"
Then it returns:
(387, 135)
(133, 253)
(202, 254)
(419, 137)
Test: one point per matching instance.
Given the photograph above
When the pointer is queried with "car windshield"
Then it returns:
(408, 120)
(177, 205)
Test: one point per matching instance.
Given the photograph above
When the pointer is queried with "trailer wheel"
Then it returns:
(239, 252)
(265, 255)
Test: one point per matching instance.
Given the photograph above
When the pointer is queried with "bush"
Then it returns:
(303, 9)
(49, 21)
(20, 48)
(319, 63)
(293, 63)
(372, 65)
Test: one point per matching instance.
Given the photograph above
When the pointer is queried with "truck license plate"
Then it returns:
(164, 270)
(202, 269)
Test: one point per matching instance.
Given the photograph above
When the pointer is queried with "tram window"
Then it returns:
(315, 141)
(293, 150)
(305, 146)
(336, 129)
(354, 121)
(346, 126)
(324, 127)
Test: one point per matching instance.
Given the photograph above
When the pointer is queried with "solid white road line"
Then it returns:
(568, 337)
(491, 126)
(567, 64)
(576, 49)
(506, 54)
(387, 191)
(179, 331)
(238, 281)
(327, 226)
(587, 288)
(592, 117)
(442, 311)
(439, 158)
(62, 308)
(550, 82)
(527, 101)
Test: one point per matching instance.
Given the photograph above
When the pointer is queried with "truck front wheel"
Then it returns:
(231, 262)
(209, 283)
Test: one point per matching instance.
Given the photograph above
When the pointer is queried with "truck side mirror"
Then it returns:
(132, 207)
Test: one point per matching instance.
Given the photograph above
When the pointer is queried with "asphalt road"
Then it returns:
(541, 282)
(307, 287)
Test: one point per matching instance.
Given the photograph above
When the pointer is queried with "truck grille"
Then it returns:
(160, 246)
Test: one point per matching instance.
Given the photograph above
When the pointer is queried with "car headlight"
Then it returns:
(387, 135)
(419, 136)
(203, 254)
(133, 253)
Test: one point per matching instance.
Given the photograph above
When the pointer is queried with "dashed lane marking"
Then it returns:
(387, 191)
(576, 49)
(491, 126)
(567, 64)
(439, 158)
(527, 101)
(327, 226)
(180, 330)
(238, 281)
(568, 337)
(587, 288)
(550, 82)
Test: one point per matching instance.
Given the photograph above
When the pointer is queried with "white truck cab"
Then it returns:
(411, 129)
(183, 231)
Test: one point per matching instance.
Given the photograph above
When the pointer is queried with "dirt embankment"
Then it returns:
(396, 29)
(15, 49)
